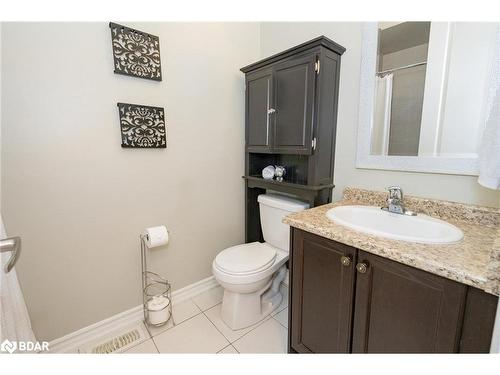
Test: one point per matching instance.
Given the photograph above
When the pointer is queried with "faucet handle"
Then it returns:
(395, 192)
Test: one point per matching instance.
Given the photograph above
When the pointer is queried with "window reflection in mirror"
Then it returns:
(399, 89)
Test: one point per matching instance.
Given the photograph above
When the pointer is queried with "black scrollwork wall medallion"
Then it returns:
(135, 53)
(142, 126)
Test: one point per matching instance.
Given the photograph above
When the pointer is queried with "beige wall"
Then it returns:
(80, 201)
(278, 36)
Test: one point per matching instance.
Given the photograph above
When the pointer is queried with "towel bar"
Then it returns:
(11, 244)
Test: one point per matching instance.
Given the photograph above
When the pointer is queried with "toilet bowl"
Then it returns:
(252, 273)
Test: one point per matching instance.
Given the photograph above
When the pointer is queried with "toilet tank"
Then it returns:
(273, 208)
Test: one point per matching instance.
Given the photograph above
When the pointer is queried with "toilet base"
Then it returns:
(242, 310)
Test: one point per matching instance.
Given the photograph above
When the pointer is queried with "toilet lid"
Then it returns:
(250, 257)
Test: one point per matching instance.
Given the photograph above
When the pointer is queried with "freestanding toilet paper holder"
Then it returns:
(156, 293)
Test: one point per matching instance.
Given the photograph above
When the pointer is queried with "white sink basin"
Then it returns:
(375, 221)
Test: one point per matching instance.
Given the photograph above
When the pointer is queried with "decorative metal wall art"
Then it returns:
(142, 126)
(135, 53)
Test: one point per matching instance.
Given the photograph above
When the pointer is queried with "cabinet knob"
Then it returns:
(361, 267)
(270, 111)
(346, 261)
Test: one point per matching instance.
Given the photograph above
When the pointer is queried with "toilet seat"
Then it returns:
(261, 273)
(246, 259)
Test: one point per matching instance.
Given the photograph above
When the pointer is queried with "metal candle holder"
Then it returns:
(153, 285)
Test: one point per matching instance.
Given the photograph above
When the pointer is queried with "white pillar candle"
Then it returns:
(158, 310)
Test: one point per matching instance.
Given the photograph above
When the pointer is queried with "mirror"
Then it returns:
(399, 87)
(423, 95)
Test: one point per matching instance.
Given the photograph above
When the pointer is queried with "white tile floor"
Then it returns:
(200, 329)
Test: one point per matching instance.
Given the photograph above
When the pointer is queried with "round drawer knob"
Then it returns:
(362, 267)
(346, 261)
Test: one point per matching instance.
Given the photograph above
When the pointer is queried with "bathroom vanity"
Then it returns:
(290, 121)
(359, 293)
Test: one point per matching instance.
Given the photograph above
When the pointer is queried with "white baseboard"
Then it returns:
(72, 341)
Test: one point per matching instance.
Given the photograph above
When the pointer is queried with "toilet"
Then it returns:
(252, 273)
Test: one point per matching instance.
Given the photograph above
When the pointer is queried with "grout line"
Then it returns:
(154, 343)
(151, 334)
(270, 316)
(176, 324)
(208, 308)
(200, 311)
(206, 291)
(168, 329)
(199, 308)
(280, 323)
(147, 328)
(276, 312)
(227, 346)
(218, 330)
(230, 343)
(184, 321)
(258, 324)
(228, 339)
(140, 343)
(133, 346)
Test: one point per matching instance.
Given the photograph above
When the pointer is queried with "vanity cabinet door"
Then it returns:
(322, 276)
(400, 309)
(294, 99)
(257, 110)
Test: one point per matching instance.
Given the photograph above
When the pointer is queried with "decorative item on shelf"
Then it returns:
(142, 126)
(156, 290)
(135, 53)
(279, 172)
(268, 172)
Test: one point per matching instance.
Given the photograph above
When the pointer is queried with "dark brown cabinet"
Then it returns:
(258, 104)
(321, 315)
(400, 309)
(280, 103)
(279, 107)
(347, 300)
(293, 104)
(290, 120)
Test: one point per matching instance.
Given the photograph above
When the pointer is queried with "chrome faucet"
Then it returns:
(395, 202)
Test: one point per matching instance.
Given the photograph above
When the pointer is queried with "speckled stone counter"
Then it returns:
(473, 261)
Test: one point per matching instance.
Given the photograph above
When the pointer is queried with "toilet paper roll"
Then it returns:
(156, 236)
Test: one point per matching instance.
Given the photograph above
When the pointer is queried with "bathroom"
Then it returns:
(81, 199)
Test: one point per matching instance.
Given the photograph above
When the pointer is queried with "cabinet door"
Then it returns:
(258, 101)
(399, 309)
(321, 294)
(294, 83)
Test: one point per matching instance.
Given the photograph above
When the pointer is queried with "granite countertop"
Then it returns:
(474, 261)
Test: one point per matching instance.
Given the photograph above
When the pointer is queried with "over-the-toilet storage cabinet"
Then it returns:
(290, 120)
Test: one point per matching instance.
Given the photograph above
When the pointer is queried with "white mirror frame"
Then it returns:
(467, 165)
